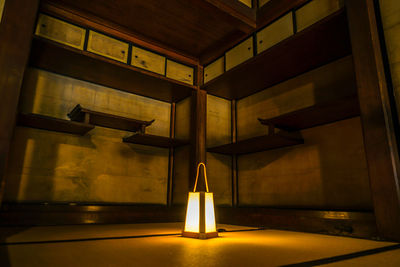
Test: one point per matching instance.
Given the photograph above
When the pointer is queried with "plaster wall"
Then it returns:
(329, 171)
(49, 166)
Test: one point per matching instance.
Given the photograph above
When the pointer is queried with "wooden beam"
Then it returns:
(198, 135)
(265, 15)
(345, 223)
(219, 48)
(238, 11)
(16, 30)
(235, 184)
(12, 214)
(91, 21)
(274, 9)
(170, 186)
(379, 137)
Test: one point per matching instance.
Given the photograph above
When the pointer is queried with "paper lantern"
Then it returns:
(200, 214)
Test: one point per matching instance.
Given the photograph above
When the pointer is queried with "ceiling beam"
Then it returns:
(237, 10)
(274, 9)
(263, 16)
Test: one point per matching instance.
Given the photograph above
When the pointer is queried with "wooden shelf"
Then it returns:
(81, 114)
(154, 140)
(53, 124)
(256, 144)
(320, 114)
(324, 42)
(83, 65)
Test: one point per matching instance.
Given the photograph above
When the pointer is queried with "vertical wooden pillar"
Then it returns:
(171, 157)
(198, 130)
(235, 191)
(198, 136)
(379, 139)
(16, 29)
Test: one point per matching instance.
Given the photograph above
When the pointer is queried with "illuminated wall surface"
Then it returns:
(218, 133)
(390, 10)
(48, 166)
(328, 171)
(2, 2)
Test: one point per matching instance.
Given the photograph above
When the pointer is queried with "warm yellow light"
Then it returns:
(210, 217)
(193, 213)
(200, 217)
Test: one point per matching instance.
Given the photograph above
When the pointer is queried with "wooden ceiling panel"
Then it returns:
(190, 27)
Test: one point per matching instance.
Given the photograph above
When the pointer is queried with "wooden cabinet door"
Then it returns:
(60, 31)
(275, 32)
(239, 53)
(108, 47)
(147, 60)
(214, 70)
(315, 11)
(179, 72)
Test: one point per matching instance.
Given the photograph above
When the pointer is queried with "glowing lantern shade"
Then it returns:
(200, 217)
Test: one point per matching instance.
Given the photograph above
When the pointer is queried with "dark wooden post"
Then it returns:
(170, 185)
(235, 189)
(16, 31)
(198, 130)
(379, 138)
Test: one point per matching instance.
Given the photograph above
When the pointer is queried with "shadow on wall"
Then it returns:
(48, 166)
(328, 171)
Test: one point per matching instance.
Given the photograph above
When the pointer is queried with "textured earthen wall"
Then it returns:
(218, 133)
(98, 167)
(328, 171)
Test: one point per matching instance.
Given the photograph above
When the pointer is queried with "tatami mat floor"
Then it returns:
(161, 245)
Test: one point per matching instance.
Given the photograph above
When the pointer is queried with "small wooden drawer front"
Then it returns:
(275, 32)
(315, 11)
(246, 2)
(214, 70)
(262, 2)
(239, 54)
(60, 31)
(147, 60)
(179, 72)
(108, 47)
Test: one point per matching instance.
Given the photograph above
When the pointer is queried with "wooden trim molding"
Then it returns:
(344, 223)
(274, 9)
(379, 137)
(238, 11)
(91, 21)
(62, 214)
(15, 40)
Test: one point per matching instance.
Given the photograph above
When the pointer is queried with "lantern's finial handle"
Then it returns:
(197, 176)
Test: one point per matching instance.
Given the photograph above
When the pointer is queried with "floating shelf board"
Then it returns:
(256, 144)
(81, 114)
(321, 43)
(83, 65)
(53, 124)
(336, 110)
(154, 140)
